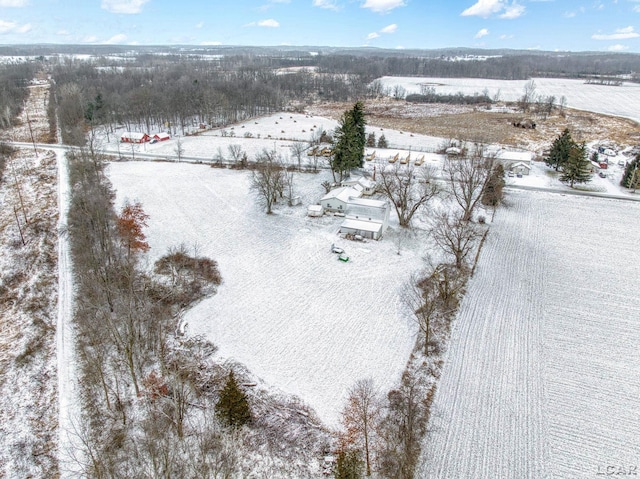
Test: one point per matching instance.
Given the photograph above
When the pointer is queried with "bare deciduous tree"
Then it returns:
(360, 417)
(408, 189)
(468, 177)
(267, 179)
(297, 150)
(455, 236)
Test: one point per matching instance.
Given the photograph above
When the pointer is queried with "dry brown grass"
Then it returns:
(489, 126)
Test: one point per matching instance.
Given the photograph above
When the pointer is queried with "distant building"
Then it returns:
(134, 137)
(162, 136)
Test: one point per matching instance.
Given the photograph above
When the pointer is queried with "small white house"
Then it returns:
(508, 158)
(365, 185)
(520, 168)
(315, 211)
(337, 199)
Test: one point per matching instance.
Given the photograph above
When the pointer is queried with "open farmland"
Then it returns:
(542, 377)
(298, 318)
(623, 100)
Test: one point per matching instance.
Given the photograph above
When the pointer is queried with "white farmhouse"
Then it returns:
(366, 185)
(336, 200)
(510, 158)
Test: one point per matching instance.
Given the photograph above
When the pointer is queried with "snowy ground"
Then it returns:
(621, 100)
(542, 376)
(301, 320)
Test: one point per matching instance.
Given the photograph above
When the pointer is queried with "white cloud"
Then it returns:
(13, 27)
(486, 8)
(513, 11)
(63, 32)
(373, 35)
(389, 28)
(618, 48)
(329, 4)
(483, 8)
(116, 39)
(14, 3)
(505, 37)
(383, 6)
(199, 24)
(123, 6)
(620, 34)
(269, 23)
(90, 39)
(482, 33)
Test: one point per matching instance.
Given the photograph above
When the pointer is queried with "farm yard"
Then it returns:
(542, 373)
(298, 318)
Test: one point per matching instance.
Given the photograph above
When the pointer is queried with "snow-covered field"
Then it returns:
(301, 320)
(542, 378)
(621, 100)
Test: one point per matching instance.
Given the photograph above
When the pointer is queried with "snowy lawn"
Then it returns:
(301, 320)
(542, 377)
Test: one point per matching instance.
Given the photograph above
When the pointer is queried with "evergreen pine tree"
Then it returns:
(492, 194)
(349, 465)
(631, 176)
(560, 149)
(348, 151)
(382, 142)
(371, 140)
(233, 406)
(577, 168)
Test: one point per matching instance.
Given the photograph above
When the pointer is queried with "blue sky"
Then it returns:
(575, 25)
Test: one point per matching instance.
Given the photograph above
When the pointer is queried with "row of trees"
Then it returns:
(14, 79)
(153, 401)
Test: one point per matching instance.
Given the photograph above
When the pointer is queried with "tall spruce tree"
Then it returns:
(560, 149)
(631, 176)
(233, 406)
(577, 168)
(350, 140)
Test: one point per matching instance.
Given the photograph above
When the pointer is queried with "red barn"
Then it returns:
(134, 137)
(162, 136)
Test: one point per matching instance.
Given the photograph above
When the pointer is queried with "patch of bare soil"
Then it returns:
(490, 125)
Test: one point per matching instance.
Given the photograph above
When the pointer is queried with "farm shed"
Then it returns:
(337, 199)
(134, 137)
(162, 136)
(520, 168)
(366, 229)
(315, 210)
(364, 209)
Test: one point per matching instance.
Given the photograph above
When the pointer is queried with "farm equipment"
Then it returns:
(395, 158)
(419, 161)
(370, 156)
(343, 257)
(313, 152)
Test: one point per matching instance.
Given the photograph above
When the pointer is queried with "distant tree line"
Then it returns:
(178, 95)
(456, 99)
